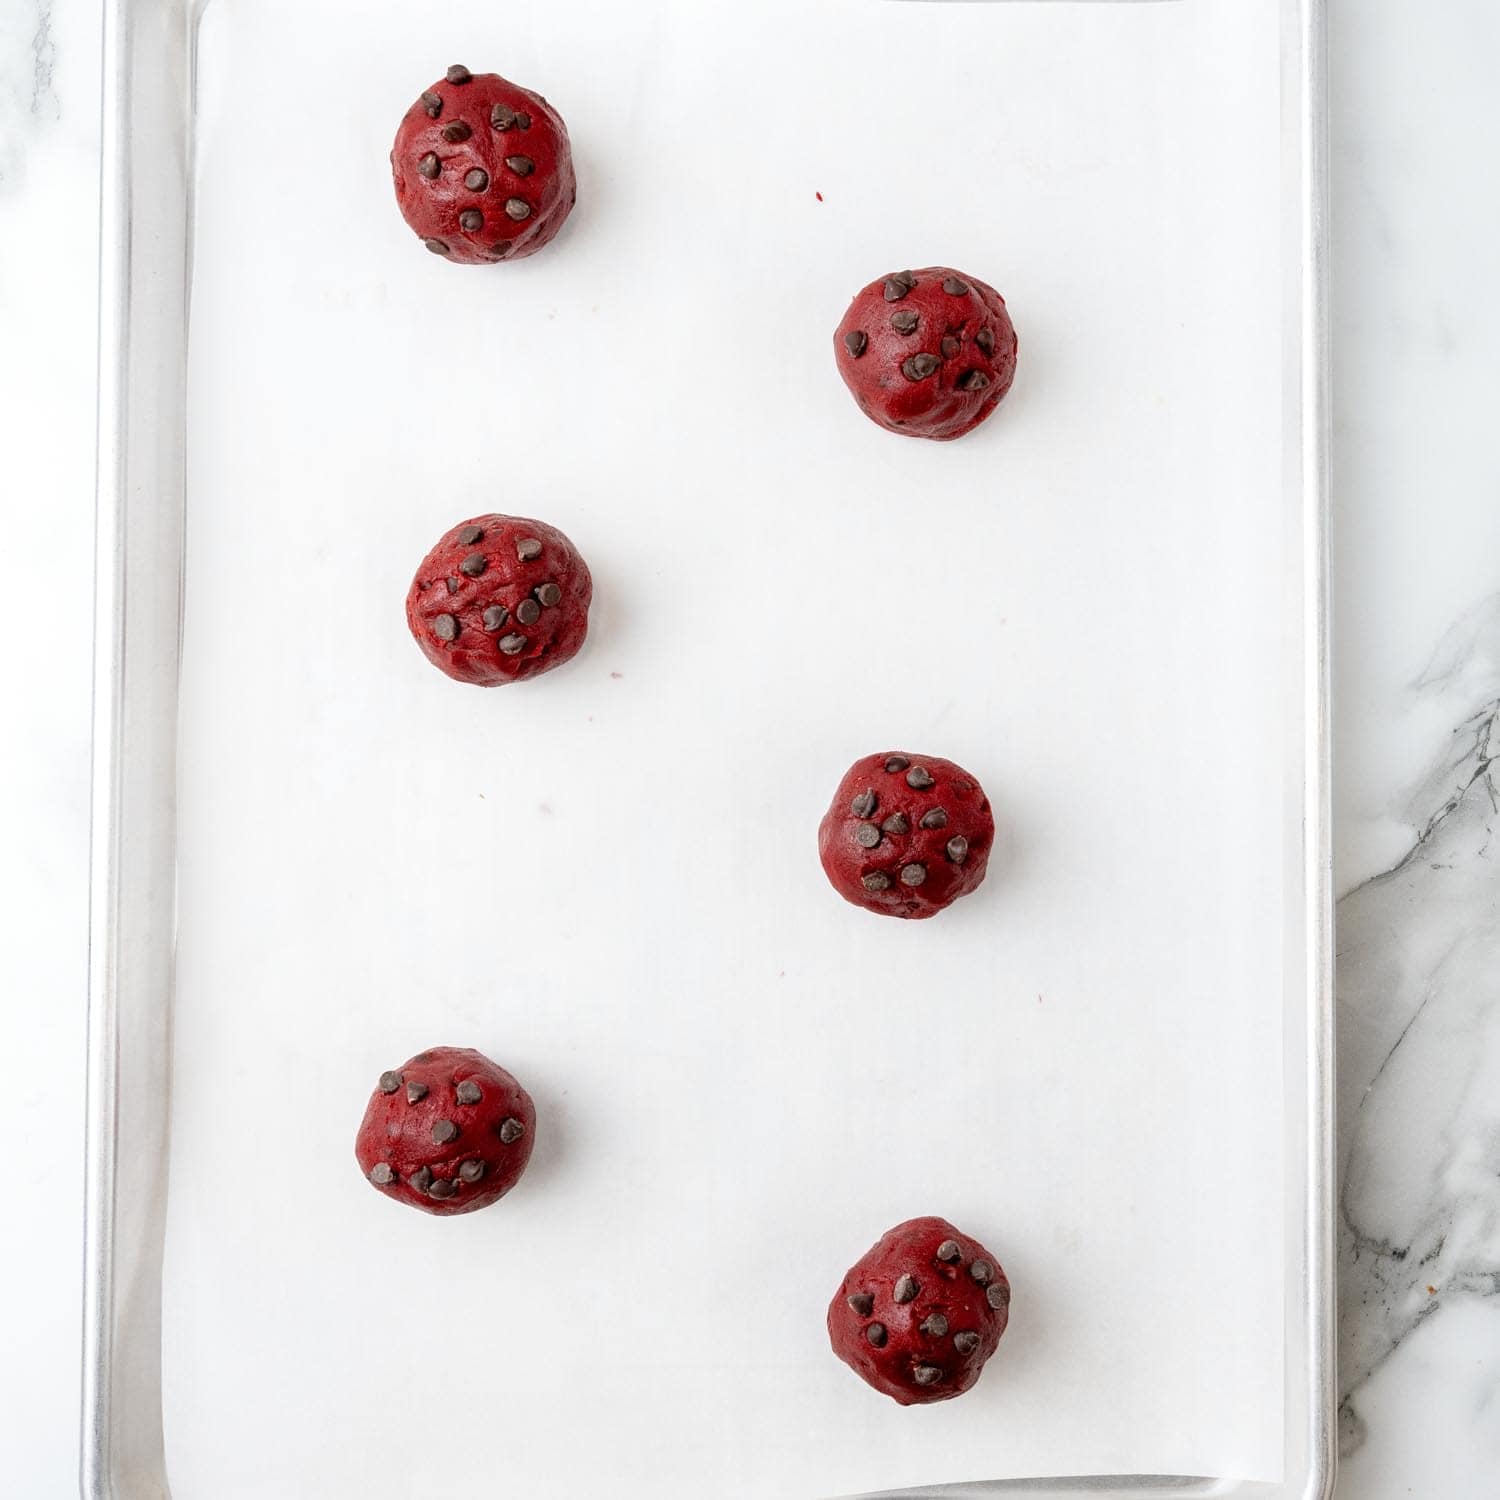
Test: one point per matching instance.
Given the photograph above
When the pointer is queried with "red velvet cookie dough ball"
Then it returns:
(447, 1132)
(483, 169)
(920, 1313)
(927, 353)
(906, 835)
(500, 598)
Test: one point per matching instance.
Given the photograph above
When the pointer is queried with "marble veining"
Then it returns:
(1419, 1041)
(28, 59)
(45, 57)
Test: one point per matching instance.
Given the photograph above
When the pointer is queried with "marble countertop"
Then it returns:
(1416, 312)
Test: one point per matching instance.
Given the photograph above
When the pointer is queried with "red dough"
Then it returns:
(907, 835)
(500, 598)
(927, 353)
(447, 1132)
(920, 1312)
(483, 169)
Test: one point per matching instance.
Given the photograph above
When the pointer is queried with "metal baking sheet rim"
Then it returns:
(145, 262)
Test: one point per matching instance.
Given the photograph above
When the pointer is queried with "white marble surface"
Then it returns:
(1417, 656)
(49, 188)
(1417, 650)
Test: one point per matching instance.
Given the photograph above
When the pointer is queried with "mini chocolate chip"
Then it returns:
(548, 594)
(421, 1179)
(511, 1131)
(471, 221)
(985, 339)
(982, 1272)
(905, 321)
(445, 628)
(471, 1171)
(958, 848)
(382, 1173)
(864, 804)
(468, 1092)
(458, 74)
(429, 166)
(438, 247)
(896, 823)
(500, 249)
(935, 817)
(972, 380)
(927, 1374)
(907, 1289)
(522, 166)
(997, 1294)
(950, 346)
(528, 612)
(523, 119)
(512, 645)
(895, 763)
(390, 1082)
(862, 1303)
(454, 585)
(503, 118)
(455, 131)
(877, 880)
(442, 1187)
(416, 1093)
(935, 1326)
(474, 564)
(898, 285)
(517, 209)
(867, 835)
(949, 1251)
(919, 778)
(495, 616)
(876, 1334)
(856, 342)
(444, 1131)
(476, 179)
(913, 874)
(966, 1343)
(528, 549)
(432, 103)
(469, 535)
(920, 366)
(954, 287)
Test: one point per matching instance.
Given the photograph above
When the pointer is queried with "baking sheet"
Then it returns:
(607, 879)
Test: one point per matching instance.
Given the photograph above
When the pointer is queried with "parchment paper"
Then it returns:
(607, 879)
